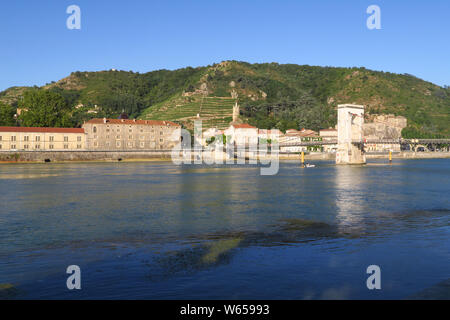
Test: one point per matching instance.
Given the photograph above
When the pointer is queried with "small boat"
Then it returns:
(310, 165)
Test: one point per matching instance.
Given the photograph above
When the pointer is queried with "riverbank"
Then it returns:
(395, 155)
(166, 155)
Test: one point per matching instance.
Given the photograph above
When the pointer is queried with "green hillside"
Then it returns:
(270, 95)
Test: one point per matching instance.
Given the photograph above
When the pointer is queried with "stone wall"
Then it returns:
(41, 156)
(384, 127)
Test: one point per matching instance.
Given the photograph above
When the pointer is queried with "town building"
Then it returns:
(294, 136)
(242, 134)
(269, 136)
(131, 134)
(329, 135)
(42, 139)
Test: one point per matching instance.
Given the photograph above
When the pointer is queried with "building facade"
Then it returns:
(329, 135)
(127, 134)
(42, 139)
(294, 136)
(242, 135)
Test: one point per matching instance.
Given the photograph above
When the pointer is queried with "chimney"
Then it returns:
(104, 120)
(134, 120)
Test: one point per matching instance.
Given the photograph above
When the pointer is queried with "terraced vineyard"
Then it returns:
(213, 111)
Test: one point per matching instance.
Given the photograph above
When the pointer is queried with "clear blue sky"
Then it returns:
(36, 47)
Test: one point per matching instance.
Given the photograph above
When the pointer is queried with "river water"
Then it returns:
(154, 230)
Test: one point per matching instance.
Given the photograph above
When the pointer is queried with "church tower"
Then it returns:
(236, 112)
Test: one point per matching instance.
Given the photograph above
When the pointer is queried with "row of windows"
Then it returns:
(131, 131)
(38, 138)
(37, 146)
(94, 130)
(129, 144)
(118, 137)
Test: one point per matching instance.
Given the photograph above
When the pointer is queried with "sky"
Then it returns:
(36, 47)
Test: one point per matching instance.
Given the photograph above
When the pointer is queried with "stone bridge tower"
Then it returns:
(350, 134)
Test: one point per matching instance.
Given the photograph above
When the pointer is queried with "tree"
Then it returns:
(7, 113)
(42, 108)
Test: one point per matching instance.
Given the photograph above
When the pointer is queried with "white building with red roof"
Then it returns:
(242, 134)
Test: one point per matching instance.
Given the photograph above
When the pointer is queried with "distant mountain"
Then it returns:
(269, 95)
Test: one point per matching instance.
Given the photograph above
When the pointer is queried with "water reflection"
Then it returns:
(350, 186)
(177, 225)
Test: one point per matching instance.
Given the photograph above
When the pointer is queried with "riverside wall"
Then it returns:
(62, 156)
(67, 156)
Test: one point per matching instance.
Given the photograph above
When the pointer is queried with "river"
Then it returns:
(154, 230)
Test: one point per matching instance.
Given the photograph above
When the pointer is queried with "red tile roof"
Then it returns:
(131, 122)
(41, 130)
(243, 126)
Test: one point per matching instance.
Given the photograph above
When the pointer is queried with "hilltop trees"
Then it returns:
(271, 95)
(7, 113)
(304, 112)
(42, 108)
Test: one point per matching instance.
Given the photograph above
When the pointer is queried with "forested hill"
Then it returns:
(271, 95)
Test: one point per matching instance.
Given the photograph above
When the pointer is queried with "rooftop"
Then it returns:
(243, 126)
(41, 130)
(134, 122)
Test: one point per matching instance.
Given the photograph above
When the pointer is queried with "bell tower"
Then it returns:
(236, 112)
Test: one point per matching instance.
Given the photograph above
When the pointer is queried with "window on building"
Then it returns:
(78, 146)
(96, 144)
(52, 138)
(1, 138)
(25, 146)
(13, 146)
(142, 144)
(66, 139)
(51, 146)
(38, 138)
(78, 138)
(161, 140)
(130, 137)
(118, 137)
(66, 146)
(118, 144)
(0, 146)
(160, 133)
(13, 138)
(26, 138)
(37, 146)
(107, 137)
(94, 129)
